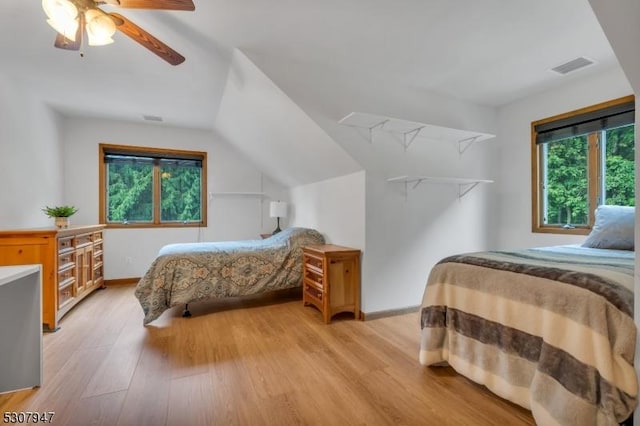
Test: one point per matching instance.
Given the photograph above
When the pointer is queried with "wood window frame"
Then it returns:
(104, 149)
(593, 169)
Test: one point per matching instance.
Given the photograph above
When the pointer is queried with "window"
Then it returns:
(147, 187)
(581, 160)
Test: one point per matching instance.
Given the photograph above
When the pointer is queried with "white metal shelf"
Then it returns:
(410, 130)
(464, 184)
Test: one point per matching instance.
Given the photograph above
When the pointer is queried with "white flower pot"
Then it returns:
(62, 222)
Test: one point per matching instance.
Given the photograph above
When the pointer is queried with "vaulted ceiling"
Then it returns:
(487, 52)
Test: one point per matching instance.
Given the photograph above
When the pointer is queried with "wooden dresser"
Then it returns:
(72, 264)
(331, 279)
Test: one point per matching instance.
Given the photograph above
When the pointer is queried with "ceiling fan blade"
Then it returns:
(158, 4)
(147, 40)
(63, 42)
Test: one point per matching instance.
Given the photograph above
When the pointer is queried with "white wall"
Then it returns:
(335, 207)
(128, 252)
(269, 128)
(408, 232)
(511, 218)
(620, 26)
(30, 161)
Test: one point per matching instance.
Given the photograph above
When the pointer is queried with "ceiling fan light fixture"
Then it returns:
(62, 16)
(100, 28)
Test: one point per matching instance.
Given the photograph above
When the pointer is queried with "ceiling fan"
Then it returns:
(72, 19)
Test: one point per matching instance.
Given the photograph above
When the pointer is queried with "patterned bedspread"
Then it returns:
(550, 329)
(185, 273)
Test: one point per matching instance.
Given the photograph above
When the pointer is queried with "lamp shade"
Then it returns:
(278, 209)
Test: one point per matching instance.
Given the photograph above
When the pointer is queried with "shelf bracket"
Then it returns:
(464, 188)
(410, 136)
(379, 125)
(464, 144)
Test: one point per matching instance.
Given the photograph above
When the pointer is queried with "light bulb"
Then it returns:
(62, 16)
(100, 28)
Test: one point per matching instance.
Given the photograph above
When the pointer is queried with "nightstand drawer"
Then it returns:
(313, 263)
(313, 291)
(312, 275)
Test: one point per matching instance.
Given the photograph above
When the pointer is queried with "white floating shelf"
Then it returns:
(410, 130)
(464, 184)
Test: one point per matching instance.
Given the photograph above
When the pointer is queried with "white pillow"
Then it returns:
(613, 228)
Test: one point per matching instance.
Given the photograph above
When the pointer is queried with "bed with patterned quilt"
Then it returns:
(186, 273)
(550, 329)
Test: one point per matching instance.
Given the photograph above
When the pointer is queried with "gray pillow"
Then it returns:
(613, 228)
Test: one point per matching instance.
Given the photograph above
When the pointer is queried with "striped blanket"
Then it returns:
(550, 329)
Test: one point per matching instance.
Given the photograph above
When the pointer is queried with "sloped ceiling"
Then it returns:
(475, 52)
(620, 24)
(270, 129)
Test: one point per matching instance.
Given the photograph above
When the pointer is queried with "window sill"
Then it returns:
(561, 231)
(155, 225)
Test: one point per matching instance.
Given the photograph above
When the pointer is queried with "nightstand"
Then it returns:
(331, 279)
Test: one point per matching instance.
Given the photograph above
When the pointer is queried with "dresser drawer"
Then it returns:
(20, 254)
(65, 244)
(83, 240)
(97, 274)
(97, 258)
(66, 274)
(65, 292)
(65, 295)
(66, 261)
(97, 237)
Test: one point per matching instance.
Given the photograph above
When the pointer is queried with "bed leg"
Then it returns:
(186, 313)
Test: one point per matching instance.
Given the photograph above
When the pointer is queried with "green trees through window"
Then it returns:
(566, 181)
(566, 186)
(180, 193)
(619, 170)
(147, 187)
(130, 192)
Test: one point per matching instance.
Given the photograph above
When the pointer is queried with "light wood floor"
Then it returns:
(253, 361)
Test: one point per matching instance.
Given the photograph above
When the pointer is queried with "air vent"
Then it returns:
(152, 118)
(573, 65)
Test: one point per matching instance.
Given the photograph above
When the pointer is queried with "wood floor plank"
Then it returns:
(148, 393)
(115, 372)
(185, 394)
(99, 410)
(259, 360)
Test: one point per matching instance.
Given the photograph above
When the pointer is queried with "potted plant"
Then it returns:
(61, 214)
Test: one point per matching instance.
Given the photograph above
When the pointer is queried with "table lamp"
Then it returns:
(278, 209)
